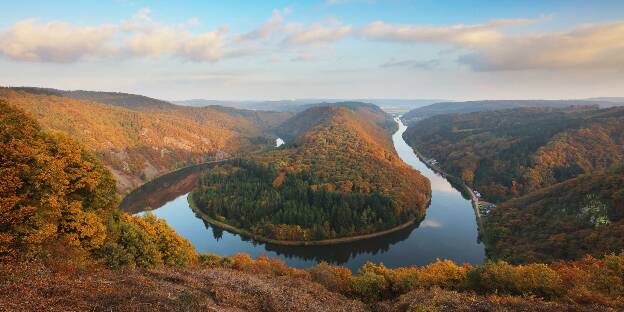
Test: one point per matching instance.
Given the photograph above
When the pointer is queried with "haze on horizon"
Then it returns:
(267, 50)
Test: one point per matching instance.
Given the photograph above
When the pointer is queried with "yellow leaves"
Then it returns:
(279, 180)
(443, 273)
(82, 229)
(147, 241)
(335, 278)
(42, 198)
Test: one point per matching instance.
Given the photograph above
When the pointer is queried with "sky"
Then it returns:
(270, 50)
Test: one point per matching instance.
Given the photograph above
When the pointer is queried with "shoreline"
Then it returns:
(473, 199)
(259, 238)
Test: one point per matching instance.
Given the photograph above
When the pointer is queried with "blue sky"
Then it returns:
(314, 49)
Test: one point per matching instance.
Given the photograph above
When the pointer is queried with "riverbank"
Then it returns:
(260, 238)
(457, 182)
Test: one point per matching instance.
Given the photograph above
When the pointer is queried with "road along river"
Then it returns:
(448, 231)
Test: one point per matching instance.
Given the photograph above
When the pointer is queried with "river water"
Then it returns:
(448, 231)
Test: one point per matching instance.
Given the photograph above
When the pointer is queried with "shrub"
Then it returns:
(445, 274)
(263, 265)
(608, 278)
(210, 260)
(146, 242)
(501, 277)
(403, 280)
(370, 286)
(334, 278)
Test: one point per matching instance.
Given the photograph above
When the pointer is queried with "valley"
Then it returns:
(70, 226)
(139, 138)
(312, 155)
(448, 230)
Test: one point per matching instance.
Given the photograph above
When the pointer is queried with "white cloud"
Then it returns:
(274, 24)
(486, 47)
(57, 42)
(60, 42)
(586, 46)
(207, 46)
(318, 33)
(489, 48)
(456, 34)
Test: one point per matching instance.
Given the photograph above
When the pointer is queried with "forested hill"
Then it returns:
(420, 113)
(555, 172)
(569, 220)
(317, 114)
(508, 153)
(337, 176)
(138, 141)
(112, 98)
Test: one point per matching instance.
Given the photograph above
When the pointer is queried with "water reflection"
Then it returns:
(448, 231)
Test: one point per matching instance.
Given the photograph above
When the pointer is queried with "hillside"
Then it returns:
(580, 216)
(111, 98)
(139, 138)
(316, 114)
(508, 153)
(337, 176)
(442, 108)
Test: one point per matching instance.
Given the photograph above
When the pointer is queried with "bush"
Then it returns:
(210, 260)
(608, 278)
(334, 278)
(370, 286)
(263, 265)
(445, 274)
(146, 242)
(501, 277)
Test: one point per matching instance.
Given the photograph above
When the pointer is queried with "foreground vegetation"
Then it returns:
(56, 195)
(266, 284)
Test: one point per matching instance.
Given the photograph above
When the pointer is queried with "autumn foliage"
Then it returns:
(339, 177)
(509, 153)
(139, 138)
(569, 220)
(50, 188)
(53, 191)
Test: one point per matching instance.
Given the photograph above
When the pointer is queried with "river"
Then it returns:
(448, 231)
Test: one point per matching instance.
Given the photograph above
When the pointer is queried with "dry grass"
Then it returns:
(40, 287)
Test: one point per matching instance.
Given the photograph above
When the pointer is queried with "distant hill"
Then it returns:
(111, 98)
(139, 138)
(388, 105)
(507, 153)
(315, 114)
(338, 175)
(608, 99)
(476, 106)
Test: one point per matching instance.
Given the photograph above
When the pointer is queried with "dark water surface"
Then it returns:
(449, 230)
